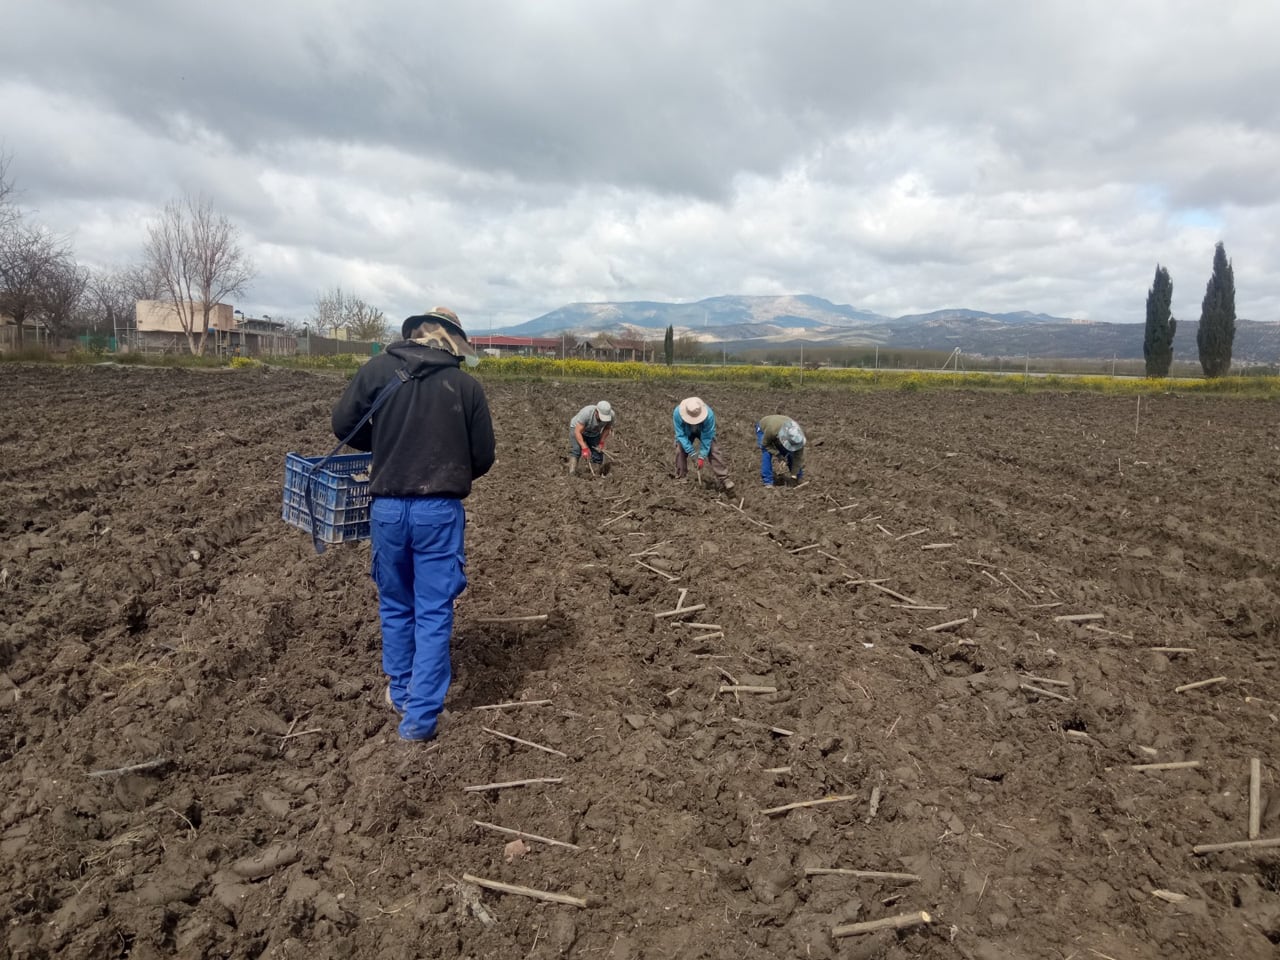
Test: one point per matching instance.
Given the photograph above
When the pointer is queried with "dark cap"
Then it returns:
(438, 314)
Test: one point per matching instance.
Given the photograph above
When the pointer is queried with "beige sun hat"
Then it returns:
(693, 410)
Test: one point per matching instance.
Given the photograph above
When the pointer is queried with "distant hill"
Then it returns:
(739, 322)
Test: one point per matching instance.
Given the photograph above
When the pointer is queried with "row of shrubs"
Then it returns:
(536, 368)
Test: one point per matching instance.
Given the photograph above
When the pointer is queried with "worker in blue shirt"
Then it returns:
(695, 423)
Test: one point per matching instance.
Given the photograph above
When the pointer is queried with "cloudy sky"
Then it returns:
(506, 157)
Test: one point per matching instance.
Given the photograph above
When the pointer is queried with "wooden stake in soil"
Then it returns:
(901, 922)
(936, 546)
(1078, 617)
(1043, 693)
(525, 891)
(812, 546)
(512, 704)
(662, 573)
(949, 625)
(525, 836)
(1172, 649)
(774, 811)
(893, 593)
(679, 610)
(621, 516)
(1175, 765)
(1255, 798)
(863, 874)
(526, 743)
(1199, 683)
(480, 788)
(535, 618)
(1236, 845)
(745, 688)
(913, 533)
(132, 768)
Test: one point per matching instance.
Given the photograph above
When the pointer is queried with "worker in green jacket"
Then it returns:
(779, 436)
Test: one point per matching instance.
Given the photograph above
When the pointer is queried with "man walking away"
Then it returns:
(431, 437)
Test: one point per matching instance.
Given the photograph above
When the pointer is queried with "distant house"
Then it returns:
(501, 346)
(610, 348)
(230, 332)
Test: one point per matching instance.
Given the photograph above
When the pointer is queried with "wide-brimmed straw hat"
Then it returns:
(693, 410)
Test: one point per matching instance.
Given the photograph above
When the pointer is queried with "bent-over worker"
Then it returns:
(695, 423)
(780, 436)
(590, 428)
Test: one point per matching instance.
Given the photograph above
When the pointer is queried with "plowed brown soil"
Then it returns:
(155, 610)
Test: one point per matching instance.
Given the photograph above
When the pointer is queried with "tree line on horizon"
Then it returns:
(1217, 331)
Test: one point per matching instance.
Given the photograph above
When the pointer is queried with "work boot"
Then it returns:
(573, 466)
(727, 487)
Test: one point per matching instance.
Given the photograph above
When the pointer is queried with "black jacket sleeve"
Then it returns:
(480, 429)
(355, 403)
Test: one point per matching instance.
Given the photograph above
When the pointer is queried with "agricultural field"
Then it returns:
(156, 614)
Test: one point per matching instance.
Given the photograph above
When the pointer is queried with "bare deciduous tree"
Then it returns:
(197, 260)
(62, 297)
(29, 255)
(365, 321)
(331, 310)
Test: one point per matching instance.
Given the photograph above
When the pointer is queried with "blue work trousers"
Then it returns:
(418, 565)
(766, 459)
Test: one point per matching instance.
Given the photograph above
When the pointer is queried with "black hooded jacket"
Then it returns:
(432, 437)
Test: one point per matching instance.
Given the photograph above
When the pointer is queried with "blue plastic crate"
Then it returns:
(339, 496)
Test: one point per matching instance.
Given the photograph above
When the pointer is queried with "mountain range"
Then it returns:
(744, 323)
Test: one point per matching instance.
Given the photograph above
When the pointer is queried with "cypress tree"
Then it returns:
(1218, 317)
(1157, 344)
(669, 345)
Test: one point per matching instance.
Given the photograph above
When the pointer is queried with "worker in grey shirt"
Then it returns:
(590, 428)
